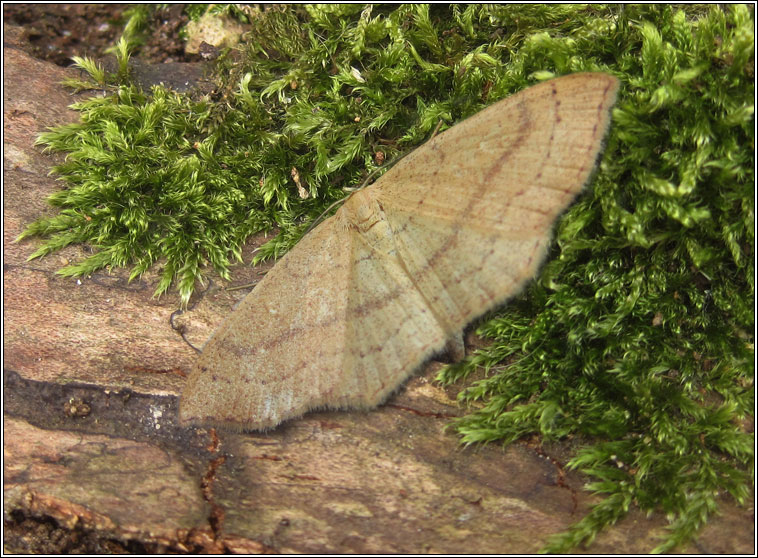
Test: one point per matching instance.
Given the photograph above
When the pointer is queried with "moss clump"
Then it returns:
(638, 335)
(636, 341)
(145, 180)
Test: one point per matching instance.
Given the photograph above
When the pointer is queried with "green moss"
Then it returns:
(635, 342)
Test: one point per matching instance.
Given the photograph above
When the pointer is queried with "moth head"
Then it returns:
(361, 210)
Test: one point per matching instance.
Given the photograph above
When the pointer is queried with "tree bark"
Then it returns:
(92, 373)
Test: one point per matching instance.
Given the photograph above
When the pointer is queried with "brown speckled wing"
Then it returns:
(268, 360)
(453, 230)
(493, 186)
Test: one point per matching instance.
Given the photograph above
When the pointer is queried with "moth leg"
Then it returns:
(455, 348)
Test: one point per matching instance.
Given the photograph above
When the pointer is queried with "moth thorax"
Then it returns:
(362, 211)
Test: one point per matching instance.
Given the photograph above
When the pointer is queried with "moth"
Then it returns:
(453, 230)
